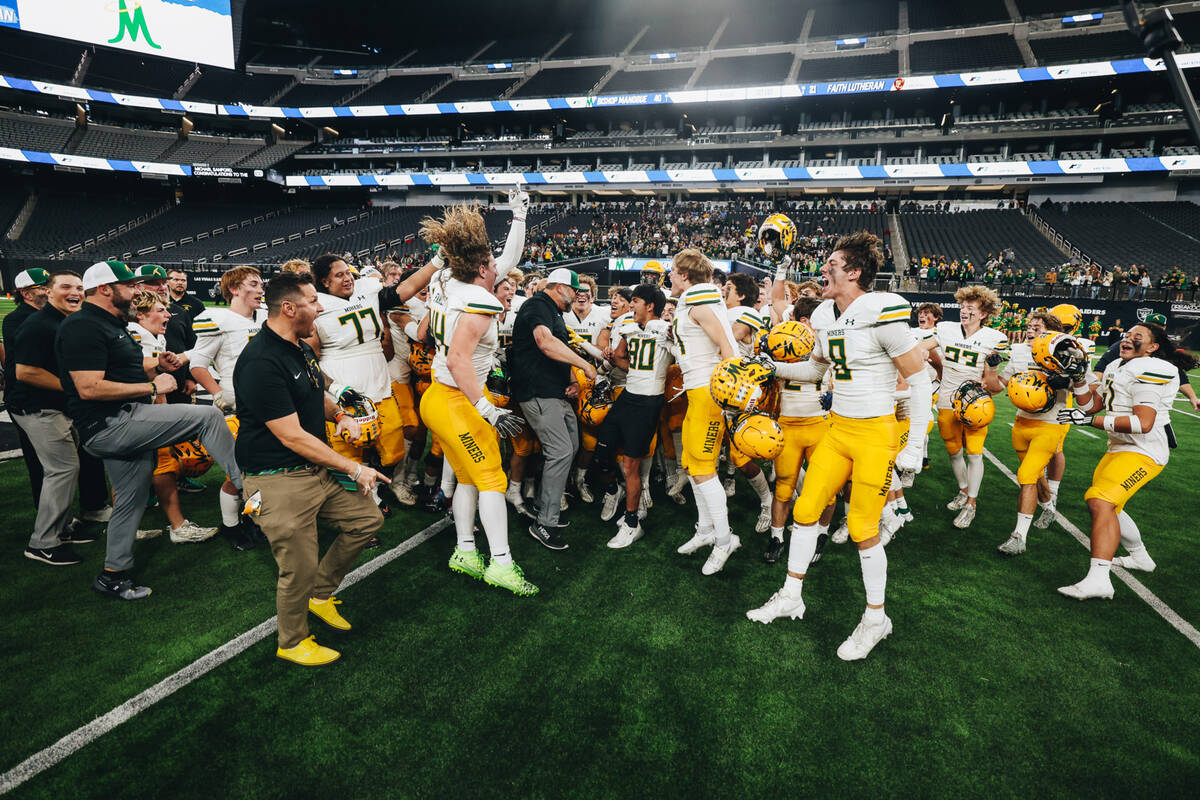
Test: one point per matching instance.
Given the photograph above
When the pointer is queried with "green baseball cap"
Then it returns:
(31, 277)
(151, 272)
(105, 272)
(1157, 319)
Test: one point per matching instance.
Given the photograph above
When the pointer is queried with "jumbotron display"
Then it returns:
(188, 30)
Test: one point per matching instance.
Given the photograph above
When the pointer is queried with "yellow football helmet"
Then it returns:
(420, 358)
(1058, 354)
(364, 413)
(495, 389)
(790, 341)
(1029, 391)
(758, 436)
(738, 384)
(193, 459)
(595, 404)
(1070, 316)
(776, 235)
(973, 405)
(653, 273)
(234, 424)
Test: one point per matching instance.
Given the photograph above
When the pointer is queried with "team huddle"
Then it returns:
(823, 391)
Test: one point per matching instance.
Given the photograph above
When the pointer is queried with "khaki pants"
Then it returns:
(291, 504)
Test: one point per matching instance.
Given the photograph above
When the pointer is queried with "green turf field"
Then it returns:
(631, 674)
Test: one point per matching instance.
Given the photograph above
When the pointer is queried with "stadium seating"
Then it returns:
(840, 19)
(38, 57)
(227, 86)
(61, 220)
(1090, 47)
(765, 69)
(132, 73)
(398, 89)
(29, 132)
(479, 89)
(1159, 235)
(655, 80)
(975, 234)
(104, 141)
(561, 82)
(318, 94)
(958, 55)
(933, 14)
(776, 21)
(878, 65)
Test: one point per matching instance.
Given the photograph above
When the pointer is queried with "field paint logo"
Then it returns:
(132, 24)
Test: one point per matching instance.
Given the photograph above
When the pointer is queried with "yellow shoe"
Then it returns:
(327, 611)
(308, 653)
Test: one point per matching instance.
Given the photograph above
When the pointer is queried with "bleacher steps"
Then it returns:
(85, 61)
(165, 155)
(187, 85)
(22, 219)
(1045, 230)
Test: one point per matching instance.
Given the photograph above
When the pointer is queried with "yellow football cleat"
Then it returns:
(327, 611)
(308, 653)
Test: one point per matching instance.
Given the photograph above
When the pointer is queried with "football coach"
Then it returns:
(281, 447)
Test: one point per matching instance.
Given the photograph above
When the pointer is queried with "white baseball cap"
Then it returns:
(31, 277)
(567, 277)
(105, 272)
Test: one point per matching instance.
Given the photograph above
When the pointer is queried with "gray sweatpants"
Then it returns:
(55, 442)
(128, 446)
(557, 428)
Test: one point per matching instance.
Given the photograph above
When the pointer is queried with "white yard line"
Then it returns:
(78, 738)
(1166, 612)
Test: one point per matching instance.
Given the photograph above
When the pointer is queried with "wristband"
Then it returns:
(1110, 423)
(338, 416)
(357, 474)
(153, 392)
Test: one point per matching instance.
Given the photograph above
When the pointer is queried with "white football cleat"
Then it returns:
(646, 499)
(703, 537)
(584, 492)
(611, 504)
(1046, 518)
(782, 604)
(965, 517)
(625, 536)
(1143, 562)
(191, 532)
(404, 494)
(719, 555)
(730, 486)
(958, 502)
(842, 534)
(907, 477)
(764, 520)
(864, 639)
(1013, 546)
(148, 534)
(1085, 591)
(906, 517)
(675, 490)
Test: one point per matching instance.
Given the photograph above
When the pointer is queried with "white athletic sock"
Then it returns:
(822, 528)
(1131, 537)
(429, 480)
(1023, 523)
(760, 485)
(777, 533)
(703, 517)
(1098, 571)
(718, 512)
(230, 509)
(465, 501)
(644, 470)
(514, 486)
(1053, 490)
(974, 474)
(494, 516)
(580, 474)
(449, 479)
(873, 561)
(800, 554)
(958, 465)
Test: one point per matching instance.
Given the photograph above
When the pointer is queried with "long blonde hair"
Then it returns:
(462, 236)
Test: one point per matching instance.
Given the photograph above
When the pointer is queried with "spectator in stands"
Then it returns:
(1143, 284)
(1132, 279)
(1115, 333)
(1030, 280)
(1008, 280)
(1094, 279)
(1195, 286)
(1076, 282)
(1051, 281)
(177, 281)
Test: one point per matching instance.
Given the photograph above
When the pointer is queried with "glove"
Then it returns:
(344, 394)
(993, 360)
(908, 461)
(1058, 382)
(518, 201)
(826, 400)
(437, 259)
(223, 402)
(781, 269)
(506, 423)
(1074, 416)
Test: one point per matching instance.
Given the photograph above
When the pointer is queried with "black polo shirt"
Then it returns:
(531, 372)
(94, 340)
(34, 347)
(14, 320)
(191, 304)
(273, 379)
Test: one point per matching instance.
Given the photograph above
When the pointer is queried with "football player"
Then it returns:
(741, 295)
(969, 351)
(402, 325)
(704, 339)
(864, 337)
(591, 324)
(1135, 395)
(454, 407)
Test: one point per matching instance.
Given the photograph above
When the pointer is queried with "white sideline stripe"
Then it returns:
(1185, 413)
(77, 739)
(7, 454)
(1165, 611)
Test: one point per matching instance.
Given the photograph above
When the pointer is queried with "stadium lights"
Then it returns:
(277, 130)
(608, 192)
(550, 191)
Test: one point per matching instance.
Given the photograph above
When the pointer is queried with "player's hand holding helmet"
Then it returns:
(1059, 354)
(776, 236)
(1030, 391)
(757, 436)
(344, 394)
(738, 384)
(789, 342)
(361, 411)
(973, 404)
(506, 423)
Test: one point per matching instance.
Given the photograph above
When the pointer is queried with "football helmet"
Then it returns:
(789, 341)
(420, 358)
(757, 436)
(495, 388)
(193, 459)
(1059, 354)
(234, 424)
(738, 384)
(595, 404)
(973, 405)
(1070, 316)
(1029, 391)
(776, 235)
(364, 413)
(653, 273)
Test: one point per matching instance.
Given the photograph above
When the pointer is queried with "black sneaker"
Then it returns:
(548, 537)
(78, 533)
(59, 556)
(238, 537)
(189, 486)
(774, 550)
(115, 584)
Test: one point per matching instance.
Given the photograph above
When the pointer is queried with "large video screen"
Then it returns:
(189, 30)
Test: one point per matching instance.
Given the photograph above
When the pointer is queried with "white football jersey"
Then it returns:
(1089, 347)
(151, 345)
(750, 318)
(921, 335)
(649, 351)
(464, 298)
(589, 326)
(1021, 360)
(616, 375)
(349, 330)
(698, 354)
(797, 399)
(963, 356)
(504, 329)
(1144, 381)
(859, 346)
(398, 368)
(221, 335)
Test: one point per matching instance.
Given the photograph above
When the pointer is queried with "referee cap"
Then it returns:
(105, 272)
(567, 277)
(31, 277)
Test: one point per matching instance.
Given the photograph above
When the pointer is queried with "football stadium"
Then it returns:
(606, 398)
